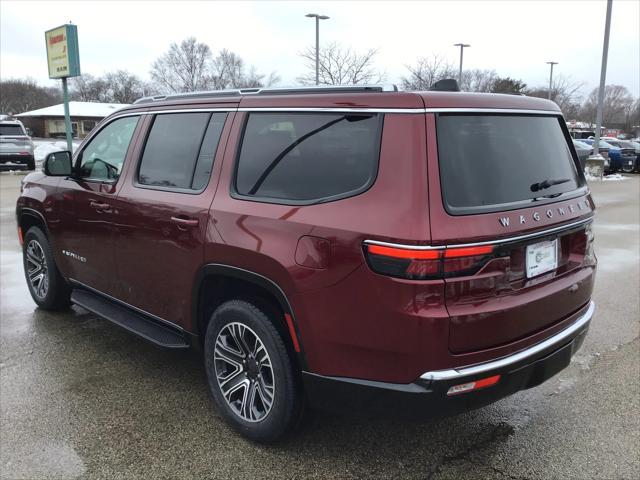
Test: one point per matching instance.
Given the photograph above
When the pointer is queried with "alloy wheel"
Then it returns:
(244, 372)
(37, 271)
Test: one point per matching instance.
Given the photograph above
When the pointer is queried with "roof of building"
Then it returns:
(76, 109)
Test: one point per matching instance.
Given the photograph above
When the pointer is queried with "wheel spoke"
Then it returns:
(261, 354)
(248, 401)
(34, 272)
(266, 393)
(225, 353)
(232, 382)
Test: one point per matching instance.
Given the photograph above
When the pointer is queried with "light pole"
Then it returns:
(318, 18)
(603, 77)
(462, 46)
(551, 77)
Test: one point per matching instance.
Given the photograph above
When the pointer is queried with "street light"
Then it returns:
(551, 77)
(462, 46)
(318, 18)
(595, 156)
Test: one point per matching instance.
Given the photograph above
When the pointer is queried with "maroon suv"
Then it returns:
(352, 248)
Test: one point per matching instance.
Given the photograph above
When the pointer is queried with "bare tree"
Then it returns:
(88, 88)
(114, 87)
(340, 66)
(191, 66)
(185, 67)
(477, 80)
(427, 71)
(125, 87)
(564, 91)
(229, 71)
(22, 95)
(617, 105)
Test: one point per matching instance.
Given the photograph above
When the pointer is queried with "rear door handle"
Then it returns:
(185, 222)
(100, 205)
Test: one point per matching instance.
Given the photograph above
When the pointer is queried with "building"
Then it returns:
(49, 122)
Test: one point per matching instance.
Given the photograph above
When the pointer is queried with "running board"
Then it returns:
(130, 320)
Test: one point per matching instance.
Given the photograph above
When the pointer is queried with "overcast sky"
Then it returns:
(515, 38)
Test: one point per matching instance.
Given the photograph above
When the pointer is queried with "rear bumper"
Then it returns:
(427, 396)
(17, 158)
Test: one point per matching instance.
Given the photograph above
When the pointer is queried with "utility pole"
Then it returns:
(551, 77)
(318, 18)
(462, 47)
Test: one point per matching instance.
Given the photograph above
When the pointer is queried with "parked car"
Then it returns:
(348, 248)
(628, 153)
(636, 146)
(611, 153)
(583, 150)
(16, 147)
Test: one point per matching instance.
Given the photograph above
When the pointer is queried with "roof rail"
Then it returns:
(235, 92)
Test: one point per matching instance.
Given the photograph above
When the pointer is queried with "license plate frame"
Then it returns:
(541, 257)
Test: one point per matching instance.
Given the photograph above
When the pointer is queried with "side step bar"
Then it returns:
(126, 318)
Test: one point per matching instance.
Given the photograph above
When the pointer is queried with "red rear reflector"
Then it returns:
(292, 332)
(468, 251)
(20, 237)
(404, 253)
(471, 386)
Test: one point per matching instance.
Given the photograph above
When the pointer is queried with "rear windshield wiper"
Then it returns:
(548, 183)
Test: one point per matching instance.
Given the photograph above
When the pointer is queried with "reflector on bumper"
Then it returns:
(471, 386)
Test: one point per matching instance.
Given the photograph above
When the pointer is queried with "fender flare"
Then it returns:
(218, 269)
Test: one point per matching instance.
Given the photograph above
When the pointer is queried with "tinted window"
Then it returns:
(11, 130)
(103, 157)
(491, 160)
(180, 149)
(308, 156)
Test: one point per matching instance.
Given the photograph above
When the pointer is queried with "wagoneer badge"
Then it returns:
(549, 213)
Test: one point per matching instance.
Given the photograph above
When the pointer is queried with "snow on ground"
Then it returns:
(45, 146)
(615, 177)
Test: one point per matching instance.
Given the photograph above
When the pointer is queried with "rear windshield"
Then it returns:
(11, 130)
(497, 162)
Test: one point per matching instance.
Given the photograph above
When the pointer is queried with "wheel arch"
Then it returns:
(216, 283)
(28, 217)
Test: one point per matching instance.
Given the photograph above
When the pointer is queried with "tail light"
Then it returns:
(424, 264)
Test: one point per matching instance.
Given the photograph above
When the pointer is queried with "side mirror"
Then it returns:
(58, 164)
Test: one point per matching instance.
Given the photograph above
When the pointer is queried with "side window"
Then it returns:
(180, 150)
(305, 157)
(103, 157)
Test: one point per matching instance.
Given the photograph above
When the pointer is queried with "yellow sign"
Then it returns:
(62, 52)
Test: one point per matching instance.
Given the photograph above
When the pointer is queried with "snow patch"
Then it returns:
(616, 177)
(45, 147)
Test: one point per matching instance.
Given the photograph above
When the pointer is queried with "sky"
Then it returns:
(516, 38)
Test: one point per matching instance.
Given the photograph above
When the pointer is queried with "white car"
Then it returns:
(16, 146)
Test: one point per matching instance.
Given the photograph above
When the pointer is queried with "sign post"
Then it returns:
(63, 60)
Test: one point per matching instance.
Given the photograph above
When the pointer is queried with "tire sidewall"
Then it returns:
(285, 400)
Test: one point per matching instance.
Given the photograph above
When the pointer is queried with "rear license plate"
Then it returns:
(541, 258)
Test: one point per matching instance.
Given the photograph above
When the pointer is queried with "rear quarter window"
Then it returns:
(298, 158)
(501, 162)
(11, 130)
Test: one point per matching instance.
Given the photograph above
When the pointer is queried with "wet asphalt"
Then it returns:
(81, 398)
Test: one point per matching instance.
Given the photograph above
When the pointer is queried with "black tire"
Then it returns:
(237, 316)
(55, 292)
(31, 164)
(628, 169)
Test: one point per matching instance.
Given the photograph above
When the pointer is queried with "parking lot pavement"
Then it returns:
(81, 398)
